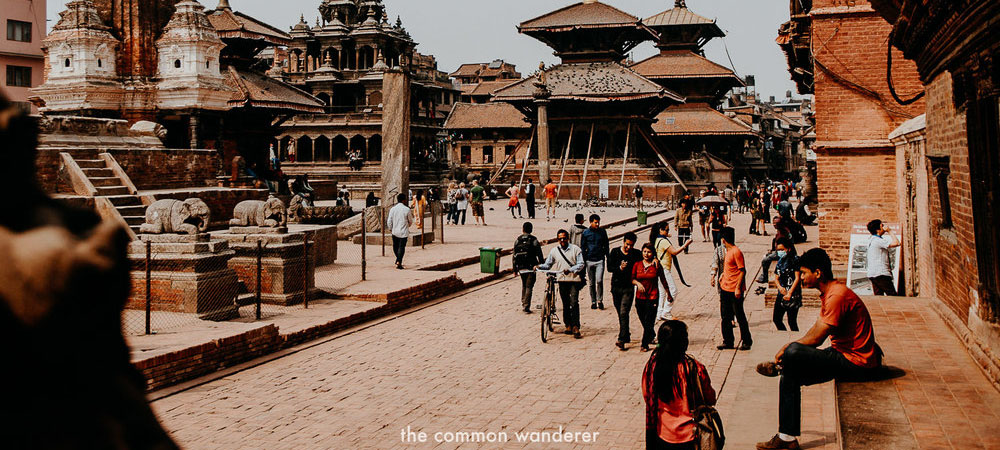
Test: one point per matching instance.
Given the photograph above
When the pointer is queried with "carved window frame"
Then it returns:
(941, 170)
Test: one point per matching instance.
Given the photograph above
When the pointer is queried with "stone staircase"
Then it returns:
(115, 196)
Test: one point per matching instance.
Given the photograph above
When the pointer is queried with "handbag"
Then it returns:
(708, 433)
(583, 280)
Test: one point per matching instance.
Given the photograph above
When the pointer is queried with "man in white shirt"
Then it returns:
(879, 270)
(398, 222)
(567, 259)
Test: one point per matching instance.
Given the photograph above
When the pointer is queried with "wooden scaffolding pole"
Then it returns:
(586, 163)
(659, 154)
(512, 156)
(524, 166)
(621, 184)
(569, 143)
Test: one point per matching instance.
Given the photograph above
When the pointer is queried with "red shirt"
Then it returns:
(647, 276)
(731, 271)
(852, 333)
(676, 425)
(550, 190)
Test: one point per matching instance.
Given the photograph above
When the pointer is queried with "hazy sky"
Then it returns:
(459, 31)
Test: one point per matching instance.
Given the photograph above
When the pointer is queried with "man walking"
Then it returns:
(620, 262)
(637, 192)
(567, 259)
(477, 202)
(398, 222)
(550, 200)
(733, 284)
(576, 231)
(879, 270)
(595, 245)
(665, 252)
(527, 255)
(853, 352)
(682, 218)
(529, 198)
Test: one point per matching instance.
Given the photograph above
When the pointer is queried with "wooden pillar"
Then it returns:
(193, 126)
(543, 139)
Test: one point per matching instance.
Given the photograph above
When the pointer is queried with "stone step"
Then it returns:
(810, 298)
(105, 181)
(131, 210)
(134, 220)
(111, 191)
(125, 200)
(103, 172)
(91, 163)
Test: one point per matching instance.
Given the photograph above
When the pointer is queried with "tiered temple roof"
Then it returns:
(468, 116)
(588, 31)
(589, 82)
(251, 89)
(698, 119)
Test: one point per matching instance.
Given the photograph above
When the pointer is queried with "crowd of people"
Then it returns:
(673, 383)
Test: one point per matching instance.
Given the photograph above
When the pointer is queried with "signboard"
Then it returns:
(857, 269)
(604, 188)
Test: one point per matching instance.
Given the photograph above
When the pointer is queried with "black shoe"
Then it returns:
(527, 310)
(746, 346)
(600, 305)
(620, 345)
(725, 347)
(594, 305)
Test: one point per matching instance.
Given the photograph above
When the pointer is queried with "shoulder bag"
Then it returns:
(708, 433)
(583, 280)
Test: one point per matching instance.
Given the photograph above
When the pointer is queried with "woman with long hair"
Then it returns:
(669, 423)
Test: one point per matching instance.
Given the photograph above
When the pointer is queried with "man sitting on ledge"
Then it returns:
(852, 354)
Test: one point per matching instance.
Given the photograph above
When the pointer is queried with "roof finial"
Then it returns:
(224, 4)
(680, 4)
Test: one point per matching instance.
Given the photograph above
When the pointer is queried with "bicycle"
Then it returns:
(549, 303)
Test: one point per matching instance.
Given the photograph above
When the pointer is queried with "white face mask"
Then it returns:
(782, 253)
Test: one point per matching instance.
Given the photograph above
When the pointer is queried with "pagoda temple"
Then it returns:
(343, 60)
(592, 115)
(695, 131)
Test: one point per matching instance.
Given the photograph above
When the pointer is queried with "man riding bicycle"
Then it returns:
(567, 259)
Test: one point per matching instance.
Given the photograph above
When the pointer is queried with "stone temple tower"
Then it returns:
(188, 61)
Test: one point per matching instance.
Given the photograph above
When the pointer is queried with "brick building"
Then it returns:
(837, 51)
(949, 163)
(21, 56)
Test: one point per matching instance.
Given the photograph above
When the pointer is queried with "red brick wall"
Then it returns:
(855, 186)
(956, 267)
(148, 169)
(854, 115)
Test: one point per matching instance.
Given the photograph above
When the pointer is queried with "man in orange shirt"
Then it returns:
(733, 287)
(853, 352)
(550, 200)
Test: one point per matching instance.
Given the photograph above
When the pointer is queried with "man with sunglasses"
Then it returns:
(567, 259)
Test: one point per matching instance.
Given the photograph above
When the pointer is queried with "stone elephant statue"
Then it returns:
(190, 216)
(255, 213)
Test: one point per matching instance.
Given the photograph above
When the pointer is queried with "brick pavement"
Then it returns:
(475, 363)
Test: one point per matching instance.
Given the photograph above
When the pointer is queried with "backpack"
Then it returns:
(707, 421)
(459, 196)
(524, 255)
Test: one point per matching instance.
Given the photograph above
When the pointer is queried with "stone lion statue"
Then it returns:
(174, 216)
(62, 290)
(255, 213)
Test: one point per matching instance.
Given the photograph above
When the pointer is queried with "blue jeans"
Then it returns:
(595, 277)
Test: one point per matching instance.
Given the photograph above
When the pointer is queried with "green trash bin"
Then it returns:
(489, 259)
(640, 217)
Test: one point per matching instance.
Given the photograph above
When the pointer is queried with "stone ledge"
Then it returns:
(985, 358)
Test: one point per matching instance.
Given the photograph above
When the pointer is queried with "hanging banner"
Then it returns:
(857, 271)
(604, 188)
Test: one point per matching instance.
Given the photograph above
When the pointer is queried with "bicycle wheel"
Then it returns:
(552, 312)
(545, 317)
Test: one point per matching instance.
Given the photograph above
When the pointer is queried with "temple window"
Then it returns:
(177, 64)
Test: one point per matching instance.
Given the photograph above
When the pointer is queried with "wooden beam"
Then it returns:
(659, 154)
(510, 157)
(569, 143)
(621, 184)
(586, 163)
